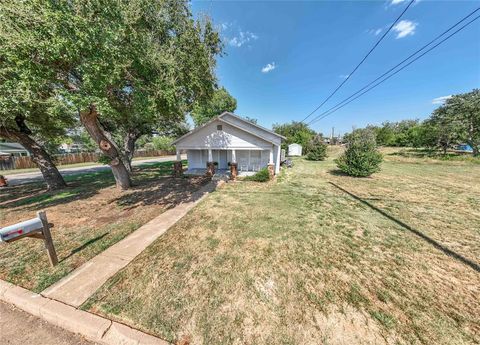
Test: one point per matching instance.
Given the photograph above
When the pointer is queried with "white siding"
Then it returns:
(195, 159)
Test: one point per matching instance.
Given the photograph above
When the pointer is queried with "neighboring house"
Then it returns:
(229, 138)
(294, 150)
(13, 149)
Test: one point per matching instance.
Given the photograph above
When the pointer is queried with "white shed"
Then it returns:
(294, 150)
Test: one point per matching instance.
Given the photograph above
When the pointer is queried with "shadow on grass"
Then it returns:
(337, 172)
(84, 185)
(81, 186)
(434, 243)
(85, 245)
(168, 193)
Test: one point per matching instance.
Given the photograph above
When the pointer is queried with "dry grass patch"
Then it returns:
(89, 216)
(299, 261)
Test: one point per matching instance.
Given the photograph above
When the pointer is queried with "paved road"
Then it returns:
(20, 328)
(16, 179)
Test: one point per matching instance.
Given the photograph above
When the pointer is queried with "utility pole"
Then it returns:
(332, 136)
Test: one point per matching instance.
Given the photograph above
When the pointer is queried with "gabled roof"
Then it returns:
(221, 118)
(12, 146)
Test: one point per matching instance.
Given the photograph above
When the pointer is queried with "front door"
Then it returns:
(222, 159)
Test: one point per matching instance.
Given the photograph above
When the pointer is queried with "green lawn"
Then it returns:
(89, 216)
(316, 258)
(60, 167)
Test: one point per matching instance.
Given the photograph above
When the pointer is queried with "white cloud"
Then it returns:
(405, 28)
(269, 67)
(242, 38)
(344, 76)
(396, 2)
(440, 100)
(375, 32)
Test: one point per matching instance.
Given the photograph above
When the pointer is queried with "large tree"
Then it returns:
(123, 64)
(32, 111)
(463, 111)
(221, 101)
(295, 132)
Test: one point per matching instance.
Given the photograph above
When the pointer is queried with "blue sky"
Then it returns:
(285, 57)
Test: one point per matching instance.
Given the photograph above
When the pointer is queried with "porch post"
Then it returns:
(233, 166)
(177, 165)
(210, 165)
(210, 156)
(271, 164)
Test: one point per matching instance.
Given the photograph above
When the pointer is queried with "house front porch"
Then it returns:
(248, 161)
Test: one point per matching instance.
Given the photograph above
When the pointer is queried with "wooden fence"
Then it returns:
(10, 163)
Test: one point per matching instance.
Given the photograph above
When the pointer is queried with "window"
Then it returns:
(219, 127)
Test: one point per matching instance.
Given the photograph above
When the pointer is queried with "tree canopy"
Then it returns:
(295, 132)
(205, 110)
(123, 65)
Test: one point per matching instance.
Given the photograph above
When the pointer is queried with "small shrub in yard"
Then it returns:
(317, 149)
(260, 176)
(361, 158)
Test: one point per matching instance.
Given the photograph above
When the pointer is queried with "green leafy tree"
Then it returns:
(206, 110)
(361, 157)
(463, 110)
(32, 110)
(317, 149)
(122, 64)
(445, 129)
(295, 132)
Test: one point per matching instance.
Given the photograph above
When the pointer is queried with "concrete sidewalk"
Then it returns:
(79, 285)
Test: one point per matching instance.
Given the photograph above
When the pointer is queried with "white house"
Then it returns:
(229, 138)
(294, 150)
(13, 149)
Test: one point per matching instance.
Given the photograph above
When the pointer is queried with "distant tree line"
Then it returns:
(456, 122)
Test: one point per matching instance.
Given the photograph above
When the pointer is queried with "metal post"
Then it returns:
(47, 238)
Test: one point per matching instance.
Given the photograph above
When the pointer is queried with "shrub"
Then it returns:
(361, 158)
(260, 176)
(317, 149)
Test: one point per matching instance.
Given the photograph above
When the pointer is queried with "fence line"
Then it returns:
(25, 162)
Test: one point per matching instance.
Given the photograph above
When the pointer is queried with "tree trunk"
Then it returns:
(129, 147)
(89, 119)
(42, 159)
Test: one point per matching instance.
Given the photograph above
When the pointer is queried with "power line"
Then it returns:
(400, 63)
(343, 103)
(361, 62)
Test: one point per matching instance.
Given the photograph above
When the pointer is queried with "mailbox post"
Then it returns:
(34, 228)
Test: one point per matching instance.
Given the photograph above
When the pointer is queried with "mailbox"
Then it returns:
(20, 229)
(34, 228)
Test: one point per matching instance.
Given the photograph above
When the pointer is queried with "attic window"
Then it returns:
(219, 127)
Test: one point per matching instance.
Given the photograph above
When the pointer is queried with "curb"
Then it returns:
(93, 327)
